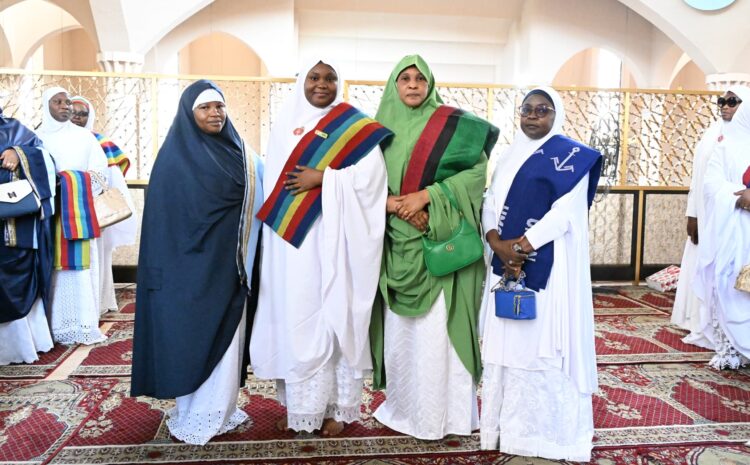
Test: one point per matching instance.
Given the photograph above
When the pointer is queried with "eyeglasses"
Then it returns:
(83, 114)
(731, 102)
(540, 110)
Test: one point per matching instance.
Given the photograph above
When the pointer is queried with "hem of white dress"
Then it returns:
(76, 337)
(528, 447)
(408, 429)
(184, 432)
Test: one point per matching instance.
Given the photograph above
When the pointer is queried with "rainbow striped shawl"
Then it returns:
(451, 141)
(115, 156)
(340, 139)
(76, 221)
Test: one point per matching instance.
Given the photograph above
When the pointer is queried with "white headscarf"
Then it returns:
(521, 149)
(90, 107)
(208, 95)
(296, 113)
(50, 124)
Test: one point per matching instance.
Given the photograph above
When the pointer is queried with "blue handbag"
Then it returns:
(17, 198)
(513, 301)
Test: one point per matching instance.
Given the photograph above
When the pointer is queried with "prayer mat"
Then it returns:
(112, 357)
(643, 339)
(125, 296)
(47, 362)
(608, 303)
(37, 417)
(660, 300)
(637, 406)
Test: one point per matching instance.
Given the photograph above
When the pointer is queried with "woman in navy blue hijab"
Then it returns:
(198, 243)
(25, 248)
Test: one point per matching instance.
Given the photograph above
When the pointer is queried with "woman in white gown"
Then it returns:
(318, 278)
(725, 247)
(540, 374)
(75, 290)
(118, 234)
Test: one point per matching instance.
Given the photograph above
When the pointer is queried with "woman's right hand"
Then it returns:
(392, 203)
(512, 259)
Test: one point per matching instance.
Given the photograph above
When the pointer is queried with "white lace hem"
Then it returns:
(199, 428)
(726, 356)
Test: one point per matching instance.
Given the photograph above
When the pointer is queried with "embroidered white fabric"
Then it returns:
(21, 339)
(332, 392)
(726, 356)
(429, 392)
(212, 409)
(535, 413)
(107, 299)
(75, 303)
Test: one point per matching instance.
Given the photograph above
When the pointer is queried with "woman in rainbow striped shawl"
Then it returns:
(122, 233)
(325, 193)
(75, 281)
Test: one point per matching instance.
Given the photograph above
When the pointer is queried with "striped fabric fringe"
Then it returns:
(115, 155)
(76, 222)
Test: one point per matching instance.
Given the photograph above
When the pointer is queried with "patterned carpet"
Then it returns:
(658, 404)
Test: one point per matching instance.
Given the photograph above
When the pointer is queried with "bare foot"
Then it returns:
(331, 427)
(282, 424)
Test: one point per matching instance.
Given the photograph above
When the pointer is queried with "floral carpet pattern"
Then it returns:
(658, 404)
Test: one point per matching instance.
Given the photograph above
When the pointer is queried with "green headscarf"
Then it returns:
(406, 287)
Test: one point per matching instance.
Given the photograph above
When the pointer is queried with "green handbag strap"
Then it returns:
(449, 195)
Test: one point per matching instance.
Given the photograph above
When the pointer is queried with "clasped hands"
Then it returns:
(743, 199)
(411, 208)
(303, 179)
(512, 252)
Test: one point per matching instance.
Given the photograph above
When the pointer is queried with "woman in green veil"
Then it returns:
(424, 327)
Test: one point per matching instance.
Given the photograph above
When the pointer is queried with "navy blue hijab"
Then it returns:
(27, 264)
(191, 295)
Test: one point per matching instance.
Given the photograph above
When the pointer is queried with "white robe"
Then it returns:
(726, 249)
(686, 310)
(315, 301)
(75, 293)
(539, 375)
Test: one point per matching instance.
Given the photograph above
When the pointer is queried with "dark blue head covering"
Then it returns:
(190, 295)
(13, 133)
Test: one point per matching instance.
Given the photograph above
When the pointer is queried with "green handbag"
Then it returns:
(463, 248)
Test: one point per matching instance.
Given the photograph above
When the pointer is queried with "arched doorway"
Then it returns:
(594, 67)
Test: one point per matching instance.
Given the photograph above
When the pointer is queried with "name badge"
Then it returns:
(321, 134)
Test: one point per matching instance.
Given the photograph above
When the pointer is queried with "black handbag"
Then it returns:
(17, 198)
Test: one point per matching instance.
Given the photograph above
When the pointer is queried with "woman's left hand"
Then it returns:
(9, 159)
(303, 180)
(413, 203)
(743, 201)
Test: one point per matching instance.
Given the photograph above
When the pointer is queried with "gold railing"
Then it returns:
(647, 137)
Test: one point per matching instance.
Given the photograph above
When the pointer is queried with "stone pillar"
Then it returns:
(721, 81)
(120, 62)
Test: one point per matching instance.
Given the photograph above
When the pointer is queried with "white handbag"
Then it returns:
(110, 206)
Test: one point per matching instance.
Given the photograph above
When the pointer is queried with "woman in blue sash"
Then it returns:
(25, 248)
(424, 327)
(539, 374)
(198, 244)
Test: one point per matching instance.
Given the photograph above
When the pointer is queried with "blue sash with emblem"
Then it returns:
(549, 173)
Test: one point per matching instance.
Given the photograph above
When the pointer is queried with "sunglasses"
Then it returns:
(83, 114)
(540, 110)
(731, 102)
